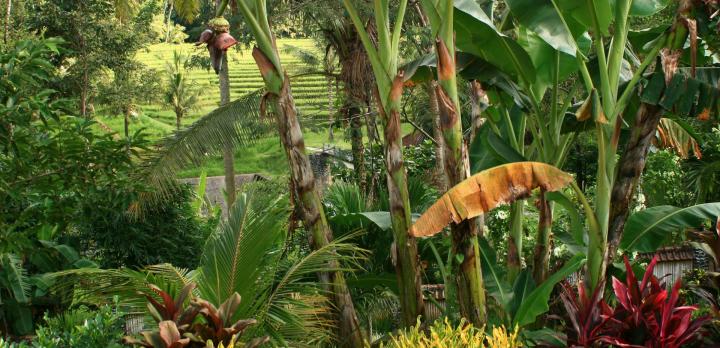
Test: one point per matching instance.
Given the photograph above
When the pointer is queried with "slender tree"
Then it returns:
(470, 290)
(384, 61)
(279, 102)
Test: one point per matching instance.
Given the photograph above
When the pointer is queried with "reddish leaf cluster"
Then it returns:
(646, 315)
(192, 325)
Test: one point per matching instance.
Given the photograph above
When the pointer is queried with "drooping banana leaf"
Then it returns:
(647, 230)
(486, 190)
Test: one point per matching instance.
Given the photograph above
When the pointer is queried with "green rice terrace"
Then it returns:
(265, 156)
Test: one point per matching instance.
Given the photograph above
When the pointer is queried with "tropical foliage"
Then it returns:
(442, 173)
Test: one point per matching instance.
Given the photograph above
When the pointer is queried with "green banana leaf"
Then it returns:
(581, 11)
(541, 17)
(536, 302)
(575, 240)
(524, 285)
(476, 34)
(647, 230)
(493, 275)
(644, 8)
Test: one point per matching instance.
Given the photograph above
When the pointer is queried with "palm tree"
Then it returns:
(181, 94)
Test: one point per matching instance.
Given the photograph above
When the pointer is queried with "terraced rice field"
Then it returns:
(266, 156)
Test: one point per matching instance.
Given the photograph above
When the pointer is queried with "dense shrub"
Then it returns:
(82, 327)
(170, 232)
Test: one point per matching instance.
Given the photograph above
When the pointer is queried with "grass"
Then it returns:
(266, 156)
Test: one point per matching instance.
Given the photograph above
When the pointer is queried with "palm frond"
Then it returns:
(15, 276)
(99, 286)
(235, 124)
(187, 9)
(297, 307)
(345, 198)
(677, 137)
(238, 253)
(125, 9)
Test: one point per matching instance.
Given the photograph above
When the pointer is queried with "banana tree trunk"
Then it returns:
(279, 101)
(437, 134)
(405, 253)
(470, 289)
(228, 151)
(543, 243)
(630, 168)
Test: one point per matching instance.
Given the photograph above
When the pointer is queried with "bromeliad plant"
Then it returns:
(646, 315)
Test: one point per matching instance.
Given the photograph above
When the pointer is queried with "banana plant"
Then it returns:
(560, 37)
(468, 273)
(384, 60)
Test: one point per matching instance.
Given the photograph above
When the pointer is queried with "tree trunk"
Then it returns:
(228, 151)
(280, 103)
(178, 116)
(630, 168)
(437, 134)
(127, 123)
(331, 110)
(470, 288)
(541, 259)
(356, 140)
(405, 255)
(8, 13)
(84, 93)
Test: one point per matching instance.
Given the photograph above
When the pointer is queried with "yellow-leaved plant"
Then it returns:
(442, 334)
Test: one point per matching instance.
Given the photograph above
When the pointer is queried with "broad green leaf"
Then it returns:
(476, 34)
(575, 240)
(542, 18)
(536, 302)
(582, 12)
(493, 275)
(524, 285)
(644, 8)
(647, 230)
(381, 219)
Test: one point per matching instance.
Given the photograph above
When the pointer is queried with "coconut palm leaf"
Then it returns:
(235, 124)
